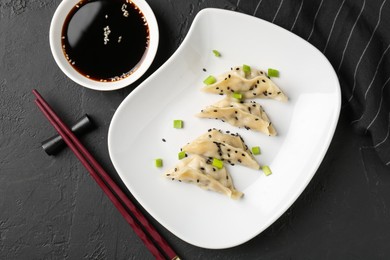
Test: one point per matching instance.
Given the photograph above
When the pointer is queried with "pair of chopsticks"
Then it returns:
(156, 244)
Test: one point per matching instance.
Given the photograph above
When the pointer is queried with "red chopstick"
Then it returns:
(112, 190)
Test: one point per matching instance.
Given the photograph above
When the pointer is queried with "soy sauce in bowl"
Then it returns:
(105, 40)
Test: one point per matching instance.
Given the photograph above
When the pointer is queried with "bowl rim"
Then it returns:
(56, 25)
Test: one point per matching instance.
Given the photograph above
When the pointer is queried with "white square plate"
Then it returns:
(305, 128)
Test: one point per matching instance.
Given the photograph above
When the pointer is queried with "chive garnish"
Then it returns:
(237, 95)
(246, 69)
(267, 171)
(181, 155)
(273, 73)
(158, 162)
(256, 150)
(210, 80)
(177, 123)
(217, 53)
(217, 163)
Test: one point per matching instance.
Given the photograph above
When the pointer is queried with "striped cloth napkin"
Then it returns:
(355, 36)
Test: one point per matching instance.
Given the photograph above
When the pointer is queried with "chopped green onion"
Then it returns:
(273, 73)
(181, 155)
(217, 53)
(210, 80)
(256, 150)
(177, 123)
(237, 95)
(158, 162)
(246, 69)
(267, 171)
(217, 163)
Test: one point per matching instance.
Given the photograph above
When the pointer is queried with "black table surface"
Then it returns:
(50, 208)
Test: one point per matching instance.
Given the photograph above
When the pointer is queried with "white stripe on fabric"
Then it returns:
(296, 17)
(277, 11)
(314, 20)
(369, 86)
(380, 104)
(364, 51)
(387, 135)
(257, 7)
(349, 36)
(376, 71)
(331, 30)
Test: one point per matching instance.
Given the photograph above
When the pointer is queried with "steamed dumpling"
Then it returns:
(212, 147)
(249, 115)
(195, 169)
(255, 84)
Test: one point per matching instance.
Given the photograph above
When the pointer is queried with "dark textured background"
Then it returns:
(51, 209)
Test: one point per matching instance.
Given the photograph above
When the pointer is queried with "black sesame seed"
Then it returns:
(228, 132)
(253, 105)
(257, 82)
(227, 177)
(237, 68)
(197, 180)
(215, 110)
(279, 92)
(269, 93)
(217, 88)
(173, 179)
(168, 174)
(235, 151)
(235, 112)
(239, 161)
(214, 169)
(229, 88)
(243, 154)
(209, 130)
(256, 119)
(204, 70)
(221, 94)
(202, 168)
(254, 94)
(263, 80)
(229, 76)
(175, 169)
(209, 136)
(179, 180)
(236, 118)
(225, 78)
(164, 140)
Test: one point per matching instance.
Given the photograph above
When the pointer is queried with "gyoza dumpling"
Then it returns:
(195, 169)
(255, 84)
(249, 115)
(215, 144)
(234, 140)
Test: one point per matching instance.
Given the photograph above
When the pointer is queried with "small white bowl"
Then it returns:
(55, 45)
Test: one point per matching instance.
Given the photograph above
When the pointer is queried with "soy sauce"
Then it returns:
(105, 40)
